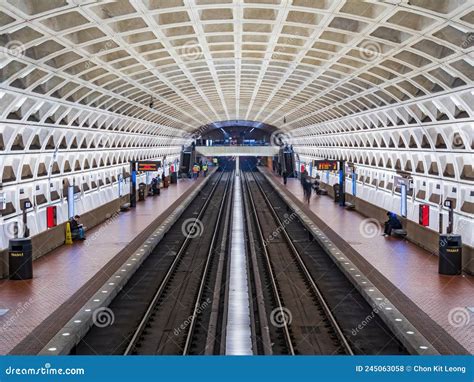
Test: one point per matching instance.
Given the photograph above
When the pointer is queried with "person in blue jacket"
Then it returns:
(392, 223)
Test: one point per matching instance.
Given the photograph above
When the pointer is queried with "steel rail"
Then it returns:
(307, 274)
(171, 270)
(273, 282)
(205, 271)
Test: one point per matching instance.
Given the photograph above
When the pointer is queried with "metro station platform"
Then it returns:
(404, 272)
(66, 277)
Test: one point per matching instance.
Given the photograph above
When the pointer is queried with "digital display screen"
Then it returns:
(326, 165)
(148, 166)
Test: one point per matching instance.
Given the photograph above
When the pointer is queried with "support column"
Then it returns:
(403, 200)
(449, 229)
(70, 201)
(342, 183)
(133, 185)
(237, 165)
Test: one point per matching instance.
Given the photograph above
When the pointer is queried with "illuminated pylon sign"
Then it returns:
(326, 165)
(148, 166)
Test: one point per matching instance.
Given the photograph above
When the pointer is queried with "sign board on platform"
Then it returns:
(326, 165)
(398, 181)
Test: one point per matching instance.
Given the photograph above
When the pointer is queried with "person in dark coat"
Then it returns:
(285, 177)
(307, 188)
(77, 229)
(392, 223)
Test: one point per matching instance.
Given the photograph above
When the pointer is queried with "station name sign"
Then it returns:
(398, 181)
(326, 165)
(148, 165)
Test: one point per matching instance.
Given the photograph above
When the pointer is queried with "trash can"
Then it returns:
(450, 255)
(141, 191)
(337, 192)
(174, 178)
(165, 182)
(20, 259)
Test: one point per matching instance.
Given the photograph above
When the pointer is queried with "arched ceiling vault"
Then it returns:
(87, 86)
(182, 64)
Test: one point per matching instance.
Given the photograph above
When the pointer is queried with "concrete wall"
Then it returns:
(421, 236)
(53, 238)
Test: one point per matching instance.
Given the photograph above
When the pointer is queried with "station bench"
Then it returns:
(125, 207)
(401, 232)
(350, 206)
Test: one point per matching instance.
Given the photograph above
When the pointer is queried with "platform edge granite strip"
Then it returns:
(96, 308)
(406, 333)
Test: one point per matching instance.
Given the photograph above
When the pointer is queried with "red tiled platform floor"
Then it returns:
(412, 270)
(63, 272)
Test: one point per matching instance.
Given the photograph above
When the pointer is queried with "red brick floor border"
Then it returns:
(405, 273)
(66, 278)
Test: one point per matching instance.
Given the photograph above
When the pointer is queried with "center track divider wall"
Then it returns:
(82, 321)
(406, 333)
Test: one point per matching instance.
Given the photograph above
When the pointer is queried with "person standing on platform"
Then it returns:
(303, 176)
(285, 177)
(303, 183)
(204, 169)
(195, 171)
(307, 188)
(316, 186)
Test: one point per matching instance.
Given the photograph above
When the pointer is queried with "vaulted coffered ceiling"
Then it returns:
(183, 63)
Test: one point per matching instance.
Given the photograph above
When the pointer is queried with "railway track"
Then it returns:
(306, 323)
(302, 303)
(174, 304)
(169, 326)
(177, 301)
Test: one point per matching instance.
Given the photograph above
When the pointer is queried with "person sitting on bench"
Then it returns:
(77, 229)
(391, 224)
(155, 186)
